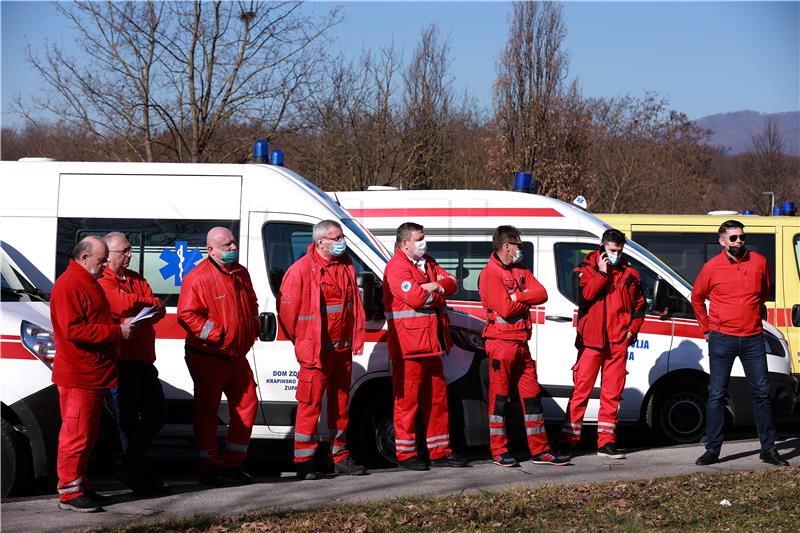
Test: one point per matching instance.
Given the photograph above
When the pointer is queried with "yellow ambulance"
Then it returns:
(686, 242)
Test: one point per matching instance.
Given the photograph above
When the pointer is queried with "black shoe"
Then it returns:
(237, 475)
(413, 463)
(453, 460)
(550, 457)
(306, 471)
(81, 504)
(565, 450)
(98, 498)
(773, 457)
(348, 467)
(136, 480)
(506, 460)
(708, 458)
(610, 450)
(211, 477)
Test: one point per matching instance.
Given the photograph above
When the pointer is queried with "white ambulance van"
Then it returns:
(166, 210)
(667, 381)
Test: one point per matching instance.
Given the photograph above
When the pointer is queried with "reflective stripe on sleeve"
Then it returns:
(207, 327)
(410, 313)
(607, 424)
(512, 320)
(306, 317)
(601, 430)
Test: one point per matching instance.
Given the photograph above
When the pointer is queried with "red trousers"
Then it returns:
(611, 360)
(80, 423)
(419, 384)
(312, 384)
(212, 377)
(511, 365)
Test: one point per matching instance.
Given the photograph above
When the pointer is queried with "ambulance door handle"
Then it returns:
(558, 318)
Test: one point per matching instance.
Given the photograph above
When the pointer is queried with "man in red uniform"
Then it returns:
(611, 311)
(219, 311)
(737, 284)
(508, 291)
(84, 370)
(320, 310)
(414, 290)
(139, 397)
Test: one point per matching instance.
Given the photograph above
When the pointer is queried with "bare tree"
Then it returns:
(541, 126)
(427, 106)
(167, 77)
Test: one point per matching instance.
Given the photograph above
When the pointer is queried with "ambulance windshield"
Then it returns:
(658, 262)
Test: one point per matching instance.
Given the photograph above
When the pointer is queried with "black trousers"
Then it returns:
(140, 408)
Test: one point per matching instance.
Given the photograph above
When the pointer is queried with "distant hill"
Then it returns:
(735, 130)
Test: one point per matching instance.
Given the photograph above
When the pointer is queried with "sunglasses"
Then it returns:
(734, 238)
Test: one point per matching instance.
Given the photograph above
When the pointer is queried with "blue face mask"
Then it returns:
(229, 257)
(338, 248)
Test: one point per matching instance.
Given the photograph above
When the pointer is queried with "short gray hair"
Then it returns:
(321, 229)
(114, 234)
(85, 245)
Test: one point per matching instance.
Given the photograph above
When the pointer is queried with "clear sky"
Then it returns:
(705, 57)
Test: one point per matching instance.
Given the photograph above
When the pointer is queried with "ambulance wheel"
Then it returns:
(375, 438)
(677, 412)
(15, 460)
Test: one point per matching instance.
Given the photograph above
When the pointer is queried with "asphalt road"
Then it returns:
(283, 492)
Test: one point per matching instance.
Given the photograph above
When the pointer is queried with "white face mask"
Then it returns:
(518, 256)
(421, 248)
(613, 258)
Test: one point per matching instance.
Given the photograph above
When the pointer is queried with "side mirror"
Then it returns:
(661, 299)
(269, 327)
(796, 315)
(368, 283)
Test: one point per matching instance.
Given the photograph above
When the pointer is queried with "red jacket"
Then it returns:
(737, 290)
(505, 318)
(127, 296)
(84, 330)
(609, 306)
(303, 291)
(418, 323)
(219, 310)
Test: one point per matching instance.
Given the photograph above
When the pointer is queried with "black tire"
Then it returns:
(677, 411)
(15, 462)
(373, 442)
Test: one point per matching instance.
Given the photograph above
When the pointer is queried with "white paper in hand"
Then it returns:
(144, 314)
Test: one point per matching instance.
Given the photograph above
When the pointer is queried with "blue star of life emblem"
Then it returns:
(179, 261)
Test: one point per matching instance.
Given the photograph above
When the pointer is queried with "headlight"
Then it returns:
(773, 345)
(39, 342)
(467, 339)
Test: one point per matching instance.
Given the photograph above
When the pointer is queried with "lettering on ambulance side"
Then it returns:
(640, 344)
(287, 378)
(179, 261)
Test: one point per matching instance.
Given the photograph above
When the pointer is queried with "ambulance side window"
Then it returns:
(465, 260)
(163, 251)
(687, 252)
(285, 243)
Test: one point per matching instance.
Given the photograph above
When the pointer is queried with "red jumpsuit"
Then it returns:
(507, 332)
(85, 338)
(419, 333)
(609, 307)
(219, 311)
(320, 310)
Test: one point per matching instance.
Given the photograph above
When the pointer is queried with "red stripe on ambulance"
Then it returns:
(456, 212)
